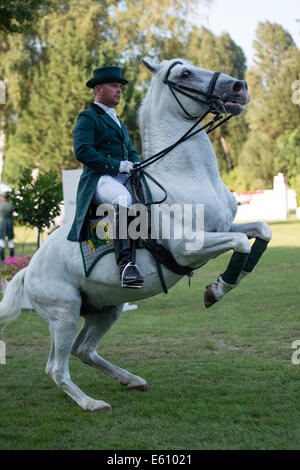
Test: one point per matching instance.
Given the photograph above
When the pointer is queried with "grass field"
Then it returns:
(220, 378)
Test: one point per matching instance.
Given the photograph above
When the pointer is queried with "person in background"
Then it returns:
(6, 226)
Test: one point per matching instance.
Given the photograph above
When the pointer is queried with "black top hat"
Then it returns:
(105, 75)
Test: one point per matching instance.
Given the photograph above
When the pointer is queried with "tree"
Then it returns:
(222, 54)
(46, 67)
(41, 132)
(17, 16)
(154, 28)
(218, 53)
(37, 200)
(287, 158)
(271, 111)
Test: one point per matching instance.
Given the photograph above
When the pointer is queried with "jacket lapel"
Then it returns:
(108, 120)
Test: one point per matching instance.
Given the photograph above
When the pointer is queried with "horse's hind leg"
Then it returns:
(96, 324)
(51, 358)
(63, 330)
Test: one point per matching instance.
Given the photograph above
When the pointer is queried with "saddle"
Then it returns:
(96, 247)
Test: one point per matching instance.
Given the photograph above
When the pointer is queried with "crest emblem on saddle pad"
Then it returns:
(99, 235)
(98, 245)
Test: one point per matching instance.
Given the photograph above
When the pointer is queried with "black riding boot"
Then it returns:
(2, 254)
(11, 252)
(129, 272)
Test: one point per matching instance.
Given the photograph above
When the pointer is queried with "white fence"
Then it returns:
(270, 204)
(70, 179)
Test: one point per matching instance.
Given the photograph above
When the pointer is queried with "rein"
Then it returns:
(159, 253)
(211, 100)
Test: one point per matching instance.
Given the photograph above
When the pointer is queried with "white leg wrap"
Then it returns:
(220, 288)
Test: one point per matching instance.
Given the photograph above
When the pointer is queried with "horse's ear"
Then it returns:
(154, 68)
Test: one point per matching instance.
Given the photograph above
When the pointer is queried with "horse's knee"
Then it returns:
(84, 354)
(241, 243)
(60, 376)
(264, 231)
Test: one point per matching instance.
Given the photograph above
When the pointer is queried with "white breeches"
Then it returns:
(111, 190)
(10, 244)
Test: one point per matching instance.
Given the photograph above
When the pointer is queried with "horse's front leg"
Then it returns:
(241, 262)
(213, 245)
(262, 234)
(253, 230)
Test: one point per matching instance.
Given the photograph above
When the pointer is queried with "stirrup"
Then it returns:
(134, 283)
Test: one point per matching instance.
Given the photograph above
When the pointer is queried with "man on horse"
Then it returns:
(102, 144)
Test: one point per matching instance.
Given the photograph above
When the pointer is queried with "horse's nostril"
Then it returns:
(238, 86)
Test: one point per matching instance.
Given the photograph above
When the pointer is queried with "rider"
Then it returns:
(102, 144)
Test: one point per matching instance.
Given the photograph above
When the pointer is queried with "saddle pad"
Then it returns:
(95, 248)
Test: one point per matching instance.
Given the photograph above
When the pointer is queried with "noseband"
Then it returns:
(213, 101)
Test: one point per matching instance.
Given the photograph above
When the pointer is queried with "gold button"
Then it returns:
(108, 156)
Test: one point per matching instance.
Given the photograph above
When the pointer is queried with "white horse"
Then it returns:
(55, 281)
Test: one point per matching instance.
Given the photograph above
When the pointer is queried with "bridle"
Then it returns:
(210, 97)
(215, 106)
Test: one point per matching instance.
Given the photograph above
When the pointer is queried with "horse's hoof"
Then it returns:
(99, 405)
(137, 384)
(209, 298)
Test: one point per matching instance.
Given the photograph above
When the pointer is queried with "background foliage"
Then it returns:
(47, 56)
(37, 200)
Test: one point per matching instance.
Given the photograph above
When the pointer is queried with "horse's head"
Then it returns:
(198, 90)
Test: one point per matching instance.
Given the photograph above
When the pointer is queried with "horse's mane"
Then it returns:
(141, 117)
(155, 82)
(143, 105)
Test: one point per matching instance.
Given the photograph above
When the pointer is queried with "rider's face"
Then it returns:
(109, 93)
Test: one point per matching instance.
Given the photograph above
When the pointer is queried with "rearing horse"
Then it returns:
(55, 281)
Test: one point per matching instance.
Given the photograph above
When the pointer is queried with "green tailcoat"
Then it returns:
(100, 144)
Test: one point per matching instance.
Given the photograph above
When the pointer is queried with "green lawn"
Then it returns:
(220, 378)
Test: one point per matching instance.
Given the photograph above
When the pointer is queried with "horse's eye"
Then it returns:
(185, 74)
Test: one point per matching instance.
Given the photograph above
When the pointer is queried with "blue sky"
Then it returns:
(240, 19)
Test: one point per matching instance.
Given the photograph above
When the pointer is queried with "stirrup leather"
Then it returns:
(134, 283)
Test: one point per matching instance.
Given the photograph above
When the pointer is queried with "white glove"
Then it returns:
(125, 166)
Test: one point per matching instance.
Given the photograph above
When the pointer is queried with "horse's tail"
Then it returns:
(11, 305)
